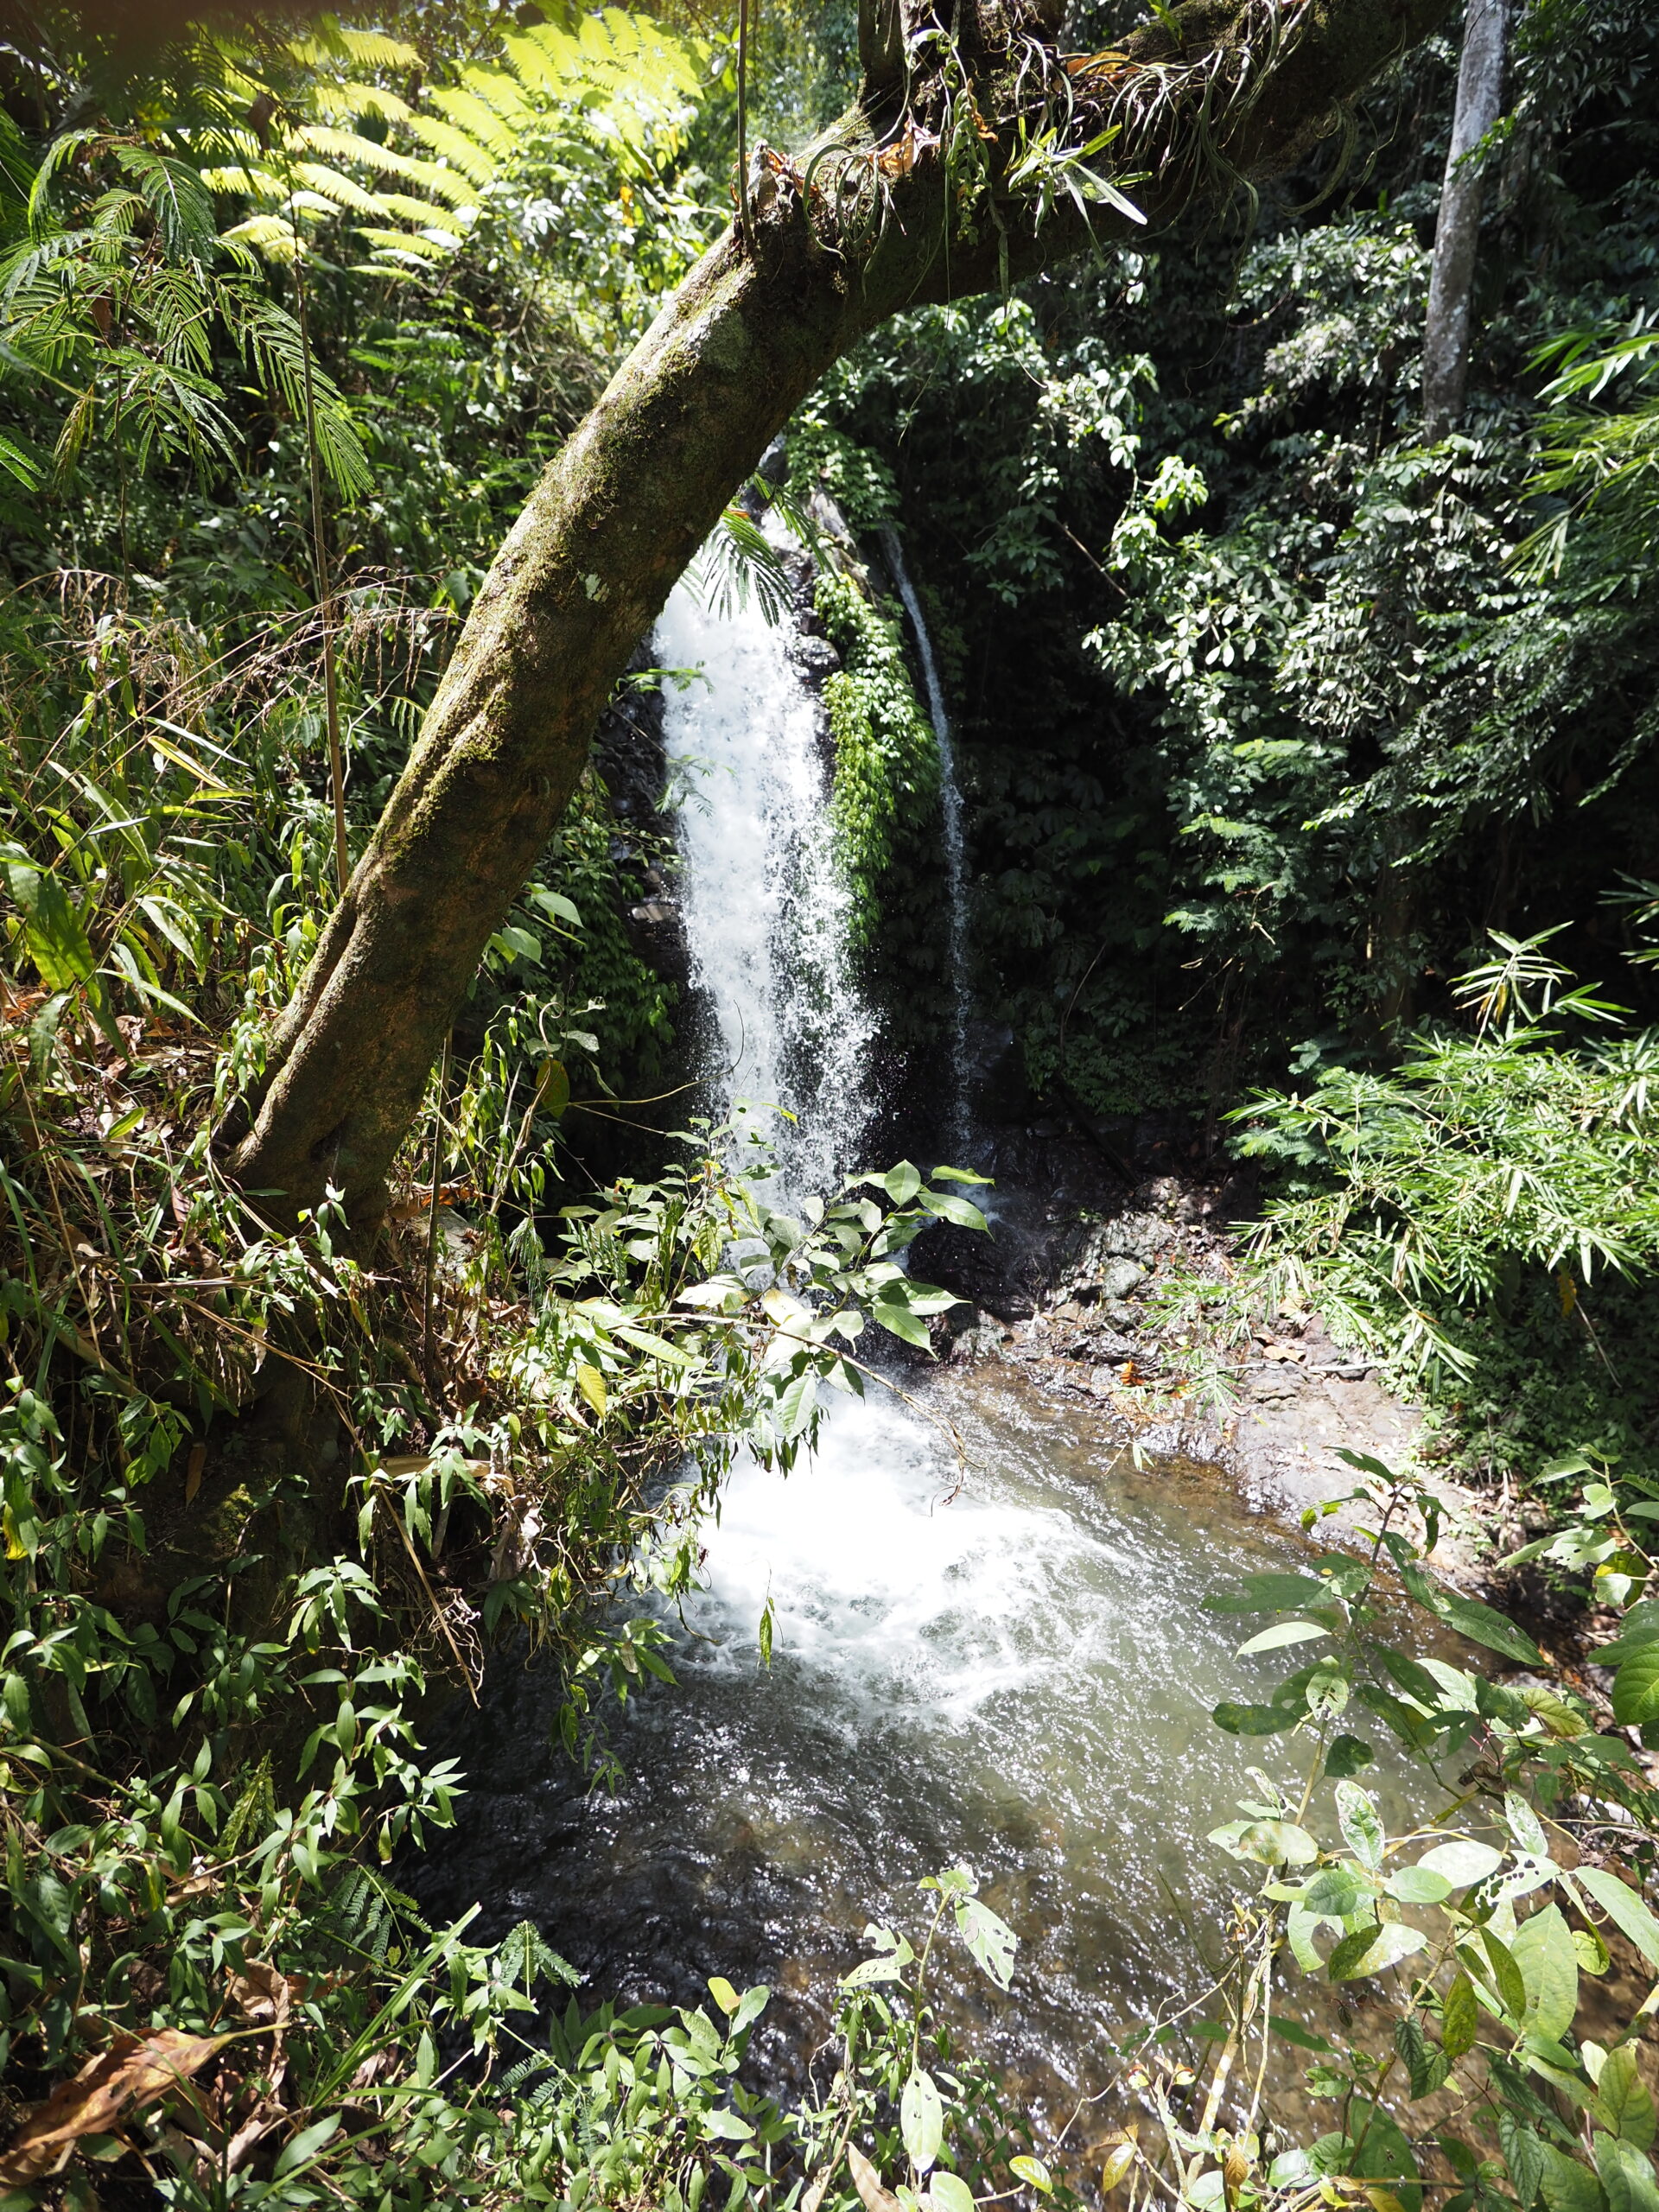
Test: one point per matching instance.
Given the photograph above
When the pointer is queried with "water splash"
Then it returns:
(767, 909)
(953, 843)
(1021, 1679)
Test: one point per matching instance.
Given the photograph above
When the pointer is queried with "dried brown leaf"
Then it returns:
(135, 2070)
(868, 2183)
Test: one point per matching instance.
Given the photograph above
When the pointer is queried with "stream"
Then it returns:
(1009, 1666)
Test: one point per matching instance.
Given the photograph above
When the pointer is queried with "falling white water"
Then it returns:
(1012, 1669)
(955, 857)
(766, 907)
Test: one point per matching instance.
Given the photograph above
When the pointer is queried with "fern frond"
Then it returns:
(350, 99)
(496, 122)
(266, 234)
(456, 146)
(334, 42)
(455, 221)
(342, 191)
(424, 244)
(181, 205)
(347, 146)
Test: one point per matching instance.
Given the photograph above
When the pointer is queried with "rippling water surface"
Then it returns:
(1019, 1675)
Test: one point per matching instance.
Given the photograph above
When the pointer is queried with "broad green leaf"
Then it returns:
(1459, 2018)
(1426, 2064)
(646, 1340)
(1639, 1626)
(1033, 2171)
(591, 1383)
(1374, 1950)
(1626, 2174)
(52, 931)
(1348, 1755)
(727, 2126)
(901, 1183)
(949, 2193)
(1418, 1885)
(553, 1090)
(1266, 1593)
(797, 1402)
(1304, 2038)
(1362, 1828)
(1283, 1632)
(1336, 1891)
(1524, 2154)
(553, 904)
(301, 2149)
(1623, 2104)
(1564, 1721)
(1300, 1927)
(898, 1321)
(1271, 1843)
(946, 1207)
(1524, 1825)
(870, 1971)
(1253, 1720)
(921, 2120)
(1566, 2186)
(1488, 1952)
(1380, 2152)
(1636, 1686)
(1624, 1909)
(1480, 1624)
(1463, 1861)
(722, 1992)
(1592, 1953)
(1542, 1948)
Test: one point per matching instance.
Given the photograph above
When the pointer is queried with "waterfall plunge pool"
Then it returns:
(1021, 1678)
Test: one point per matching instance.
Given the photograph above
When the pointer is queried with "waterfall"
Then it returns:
(955, 860)
(766, 908)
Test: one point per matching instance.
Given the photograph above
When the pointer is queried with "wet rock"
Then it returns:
(1274, 1385)
(816, 657)
(994, 1075)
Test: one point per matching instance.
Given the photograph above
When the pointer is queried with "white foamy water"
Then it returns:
(766, 908)
(911, 1595)
(1021, 1679)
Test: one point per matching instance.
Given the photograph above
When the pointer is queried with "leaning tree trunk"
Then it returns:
(914, 197)
(1452, 282)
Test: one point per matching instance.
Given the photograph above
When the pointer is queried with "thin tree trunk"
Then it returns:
(1217, 91)
(1450, 322)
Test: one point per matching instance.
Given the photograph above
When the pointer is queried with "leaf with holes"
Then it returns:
(921, 2120)
(990, 1939)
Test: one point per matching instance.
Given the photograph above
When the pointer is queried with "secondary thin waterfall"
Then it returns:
(951, 839)
(766, 907)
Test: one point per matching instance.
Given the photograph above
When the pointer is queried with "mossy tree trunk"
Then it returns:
(1449, 327)
(916, 196)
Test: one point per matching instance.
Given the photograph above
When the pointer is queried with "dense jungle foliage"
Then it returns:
(1273, 719)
